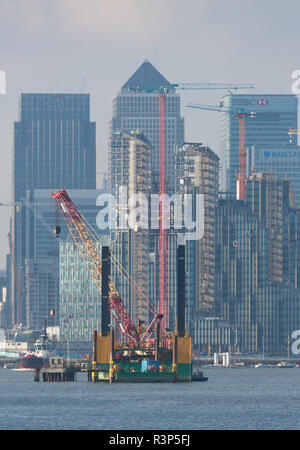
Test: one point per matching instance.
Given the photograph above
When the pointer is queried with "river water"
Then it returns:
(231, 399)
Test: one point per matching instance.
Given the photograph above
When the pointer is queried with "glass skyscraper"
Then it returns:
(80, 300)
(275, 114)
(54, 148)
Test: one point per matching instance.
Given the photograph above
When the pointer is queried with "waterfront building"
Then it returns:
(212, 334)
(257, 269)
(278, 315)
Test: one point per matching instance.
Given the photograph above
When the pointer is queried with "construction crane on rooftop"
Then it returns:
(162, 92)
(32, 207)
(241, 115)
(293, 132)
(191, 87)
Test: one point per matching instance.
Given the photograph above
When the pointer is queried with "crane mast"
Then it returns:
(162, 230)
(242, 158)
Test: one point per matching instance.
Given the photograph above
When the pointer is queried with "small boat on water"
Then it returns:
(260, 365)
(286, 365)
(198, 376)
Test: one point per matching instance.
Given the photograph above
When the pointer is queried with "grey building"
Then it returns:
(283, 162)
(197, 172)
(215, 335)
(275, 115)
(54, 148)
(269, 199)
(241, 268)
(42, 269)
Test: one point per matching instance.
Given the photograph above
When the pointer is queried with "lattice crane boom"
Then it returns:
(86, 245)
(191, 87)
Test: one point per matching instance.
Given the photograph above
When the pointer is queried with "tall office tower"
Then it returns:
(281, 161)
(269, 199)
(241, 268)
(54, 148)
(275, 114)
(136, 107)
(130, 175)
(197, 172)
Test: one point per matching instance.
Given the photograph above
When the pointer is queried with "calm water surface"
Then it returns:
(235, 399)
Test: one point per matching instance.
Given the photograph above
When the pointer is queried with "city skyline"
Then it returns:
(149, 217)
(68, 67)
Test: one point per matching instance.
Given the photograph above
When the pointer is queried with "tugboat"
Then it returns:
(43, 349)
(198, 376)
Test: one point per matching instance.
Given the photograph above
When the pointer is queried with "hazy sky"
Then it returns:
(94, 46)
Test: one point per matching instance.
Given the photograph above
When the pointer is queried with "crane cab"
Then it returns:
(57, 231)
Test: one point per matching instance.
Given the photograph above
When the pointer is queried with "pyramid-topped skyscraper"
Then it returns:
(135, 108)
(147, 77)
